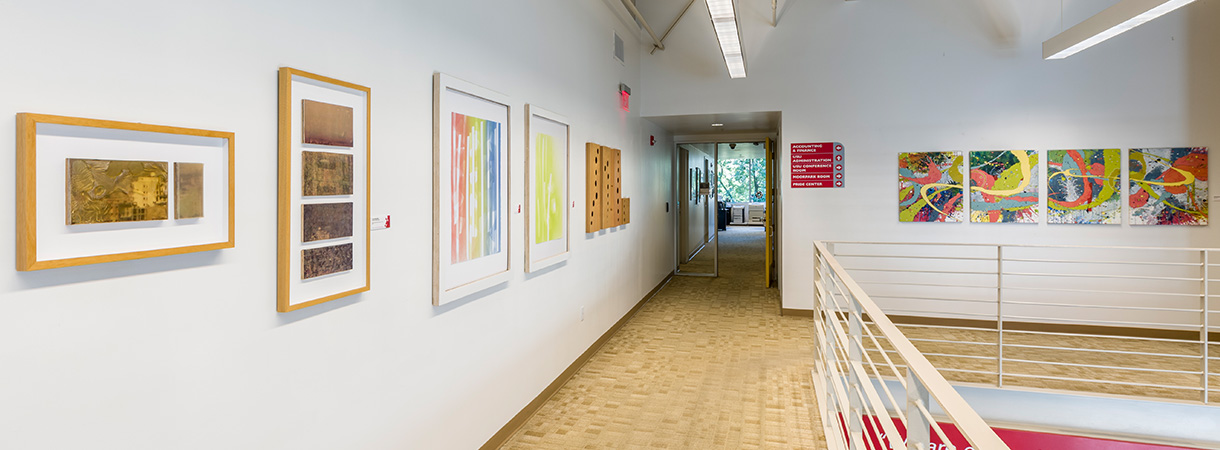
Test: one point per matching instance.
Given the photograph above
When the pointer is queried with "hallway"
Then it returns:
(707, 363)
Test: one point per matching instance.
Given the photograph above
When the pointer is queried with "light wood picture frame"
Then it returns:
(78, 202)
(471, 244)
(547, 188)
(334, 137)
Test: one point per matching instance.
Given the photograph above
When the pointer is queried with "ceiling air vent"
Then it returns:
(619, 49)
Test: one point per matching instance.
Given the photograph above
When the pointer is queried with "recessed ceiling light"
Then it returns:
(724, 22)
(717, 124)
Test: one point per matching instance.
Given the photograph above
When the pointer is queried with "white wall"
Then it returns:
(188, 352)
(694, 230)
(891, 76)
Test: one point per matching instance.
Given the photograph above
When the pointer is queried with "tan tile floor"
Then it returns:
(708, 363)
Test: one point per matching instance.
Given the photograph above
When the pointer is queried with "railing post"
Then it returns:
(855, 354)
(999, 314)
(1203, 334)
(919, 432)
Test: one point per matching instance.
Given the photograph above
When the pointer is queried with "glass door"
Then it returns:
(698, 214)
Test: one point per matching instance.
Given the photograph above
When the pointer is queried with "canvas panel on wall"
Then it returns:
(1004, 186)
(546, 188)
(323, 189)
(930, 187)
(1168, 186)
(1082, 186)
(97, 191)
(470, 185)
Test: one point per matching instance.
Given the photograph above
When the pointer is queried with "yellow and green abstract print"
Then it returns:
(1082, 186)
(1168, 186)
(930, 187)
(548, 190)
(1004, 186)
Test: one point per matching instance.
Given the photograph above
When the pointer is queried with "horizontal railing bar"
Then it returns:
(1085, 380)
(882, 283)
(954, 313)
(1109, 322)
(947, 258)
(1094, 366)
(1084, 275)
(951, 272)
(967, 244)
(992, 344)
(1095, 350)
(1100, 291)
(933, 299)
(1110, 336)
(982, 372)
(989, 358)
(947, 327)
(1066, 261)
(1070, 305)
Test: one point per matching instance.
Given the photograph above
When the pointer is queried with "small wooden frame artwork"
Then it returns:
(324, 161)
(93, 191)
(604, 188)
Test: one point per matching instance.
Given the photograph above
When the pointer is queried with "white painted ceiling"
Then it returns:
(762, 122)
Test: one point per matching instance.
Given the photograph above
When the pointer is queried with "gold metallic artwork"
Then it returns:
(322, 221)
(316, 262)
(105, 191)
(326, 124)
(188, 190)
(324, 173)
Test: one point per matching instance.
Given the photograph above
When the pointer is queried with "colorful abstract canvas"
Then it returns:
(930, 187)
(548, 196)
(475, 188)
(1168, 186)
(1004, 186)
(1082, 186)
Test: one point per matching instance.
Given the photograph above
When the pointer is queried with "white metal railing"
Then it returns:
(857, 411)
(1139, 321)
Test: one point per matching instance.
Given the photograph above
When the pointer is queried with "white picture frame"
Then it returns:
(471, 222)
(548, 158)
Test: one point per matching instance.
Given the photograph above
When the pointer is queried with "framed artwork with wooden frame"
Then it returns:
(548, 170)
(93, 191)
(470, 135)
(324, 152)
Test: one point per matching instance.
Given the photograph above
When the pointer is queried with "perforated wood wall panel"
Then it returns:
(611, 187)
(626, 211)
(593, 187)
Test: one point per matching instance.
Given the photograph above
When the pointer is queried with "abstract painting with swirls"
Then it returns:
(1082, 186)
(930, 187)
(1004, 186)
(1168, 186)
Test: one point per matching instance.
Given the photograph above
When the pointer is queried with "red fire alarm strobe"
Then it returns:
(652, 140)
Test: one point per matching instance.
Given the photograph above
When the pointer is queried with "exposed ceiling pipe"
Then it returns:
(671, 26)
(640, 17)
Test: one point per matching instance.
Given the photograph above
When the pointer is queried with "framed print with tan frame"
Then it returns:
(547, 169)
(93, 191)
(324, 173)
(470, 189)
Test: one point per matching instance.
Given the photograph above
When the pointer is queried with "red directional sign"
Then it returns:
(817, 165)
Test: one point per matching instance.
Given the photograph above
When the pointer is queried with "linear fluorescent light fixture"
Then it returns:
(1111, 22)
(724, 21)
